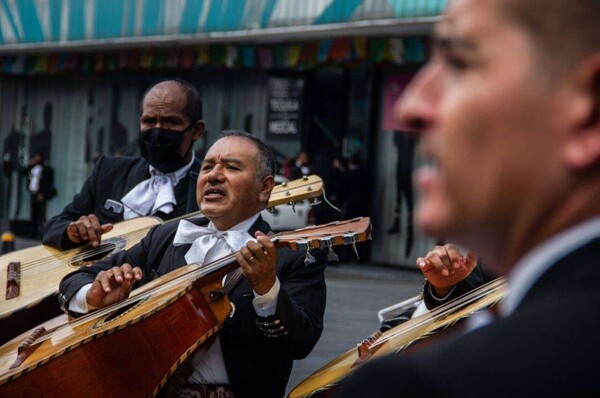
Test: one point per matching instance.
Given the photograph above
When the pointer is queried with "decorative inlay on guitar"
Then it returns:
(137, 334)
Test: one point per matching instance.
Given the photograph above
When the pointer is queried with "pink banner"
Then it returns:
(394, 87)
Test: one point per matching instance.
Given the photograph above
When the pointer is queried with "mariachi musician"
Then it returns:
(280, 303)
(161, 183)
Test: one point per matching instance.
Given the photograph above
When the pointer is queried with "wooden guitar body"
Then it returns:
(42, 267)
(131, 348)
(121, 351)
(30, 275)
(323, 382)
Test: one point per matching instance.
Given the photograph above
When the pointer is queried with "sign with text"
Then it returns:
(284, 109)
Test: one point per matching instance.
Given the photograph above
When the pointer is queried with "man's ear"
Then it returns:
(267, 185)
(583, 146)
(198, 130)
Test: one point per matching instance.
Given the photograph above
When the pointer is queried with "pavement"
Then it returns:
(354, 295)
(355, 292)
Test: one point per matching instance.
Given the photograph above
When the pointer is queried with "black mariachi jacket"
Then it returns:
(112, 178)
(258, 358)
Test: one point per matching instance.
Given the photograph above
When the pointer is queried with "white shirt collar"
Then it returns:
(177, 174)
(535, 263)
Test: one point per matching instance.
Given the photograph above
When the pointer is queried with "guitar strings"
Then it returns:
(489, 290)
(446, 309)
(98, 250)
(193, 273)
(68, 255)
(207, 269)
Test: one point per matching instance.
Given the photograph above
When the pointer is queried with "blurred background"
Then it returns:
(315, 79)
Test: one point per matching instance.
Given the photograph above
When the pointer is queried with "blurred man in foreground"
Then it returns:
(508, 111)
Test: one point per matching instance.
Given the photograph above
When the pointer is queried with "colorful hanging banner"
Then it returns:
(308, 55)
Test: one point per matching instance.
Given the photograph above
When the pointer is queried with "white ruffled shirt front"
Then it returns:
(219, 243)
(154, 194)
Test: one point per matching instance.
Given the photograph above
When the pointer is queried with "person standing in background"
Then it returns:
(41, 187)
(301, 166)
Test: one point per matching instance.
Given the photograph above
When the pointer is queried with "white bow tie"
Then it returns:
(152, 195)
(208, 243)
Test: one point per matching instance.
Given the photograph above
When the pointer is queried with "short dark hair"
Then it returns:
(565, 31)
(266, 161)
(193, 103)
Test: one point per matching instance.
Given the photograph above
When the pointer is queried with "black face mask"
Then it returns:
(160, 148)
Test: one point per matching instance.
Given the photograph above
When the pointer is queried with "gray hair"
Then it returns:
(265, 164)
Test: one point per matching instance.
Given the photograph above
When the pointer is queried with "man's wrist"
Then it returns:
(440, 294)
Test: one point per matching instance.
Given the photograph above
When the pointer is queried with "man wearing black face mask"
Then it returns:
(160, 183)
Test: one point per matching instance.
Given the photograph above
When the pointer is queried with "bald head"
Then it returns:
(177, 88)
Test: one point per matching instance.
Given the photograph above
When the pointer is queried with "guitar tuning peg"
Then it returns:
(315, 201)
(331, 256)
(306, 245)
(271, 209)
(364, 352)
(304, 178)
(309, 259)
(355, 251)
(350, 239)
(293, 204)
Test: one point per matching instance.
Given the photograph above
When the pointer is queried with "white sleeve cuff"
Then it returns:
(266, 304)
(433, 295)
(79, 303)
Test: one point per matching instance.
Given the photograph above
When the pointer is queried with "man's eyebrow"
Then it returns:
(223, 160)
(453, 43)
(233, 160)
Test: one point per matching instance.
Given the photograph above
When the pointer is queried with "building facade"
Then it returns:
(314, 75)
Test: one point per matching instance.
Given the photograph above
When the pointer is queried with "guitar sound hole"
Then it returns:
(90, 255)
(118, 313)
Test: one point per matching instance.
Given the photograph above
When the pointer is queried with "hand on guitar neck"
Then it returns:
(445, 266)
(112, 286)
(257, 260)
(87, 229)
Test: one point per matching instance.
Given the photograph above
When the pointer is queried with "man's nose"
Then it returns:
(416, 107)
(215, 174)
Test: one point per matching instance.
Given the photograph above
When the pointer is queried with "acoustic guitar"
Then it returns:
(131, 348)
(323, 382)
(30, 275)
